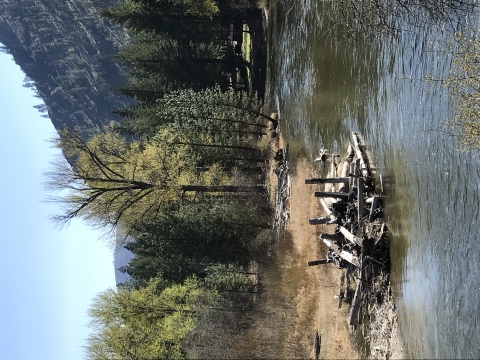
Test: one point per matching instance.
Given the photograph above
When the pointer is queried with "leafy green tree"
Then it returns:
(183, 242)
(208, 109)
(146, 323)
(162, 16)
(171, 64)
(114, 180)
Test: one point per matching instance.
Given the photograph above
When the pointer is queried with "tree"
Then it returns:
(113, 180)
(180, 243)
(170, 64)
(206, 110)
(146, 323)
(177, 17)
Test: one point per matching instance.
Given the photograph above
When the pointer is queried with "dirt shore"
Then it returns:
(313, 289)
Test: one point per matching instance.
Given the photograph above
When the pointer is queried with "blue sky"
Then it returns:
(48, 276)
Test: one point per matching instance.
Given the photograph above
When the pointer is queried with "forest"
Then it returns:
(183, 173)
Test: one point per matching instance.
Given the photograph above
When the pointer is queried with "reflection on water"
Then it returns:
(324, 90)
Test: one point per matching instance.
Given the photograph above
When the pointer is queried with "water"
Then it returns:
(324, 89)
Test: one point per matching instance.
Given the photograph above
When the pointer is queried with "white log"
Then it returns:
(346, 167)
(348, 160)
(325, 207)
(352, 259)
(350, 237)
(361, 155)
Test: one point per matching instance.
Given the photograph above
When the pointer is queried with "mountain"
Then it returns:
(63, 47)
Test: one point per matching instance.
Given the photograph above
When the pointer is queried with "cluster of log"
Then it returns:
(282, 192)
(359, 242)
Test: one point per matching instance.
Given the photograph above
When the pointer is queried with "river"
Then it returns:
(325, 88)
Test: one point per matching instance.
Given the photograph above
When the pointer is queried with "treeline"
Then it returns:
(184, 174)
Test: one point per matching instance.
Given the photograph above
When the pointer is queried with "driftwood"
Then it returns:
(321, 220)
(350, 237)
(352, 318)
(364, 171)
(341, 291)
(347, 256)
(375, 204)
(346, 167)
(327, 180)
(356, 236)
(317, 343)
(325, 207)
(332, 195)
(331, 237)
(360, 201)
(317, 262)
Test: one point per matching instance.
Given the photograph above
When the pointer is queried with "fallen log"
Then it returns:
(350, 237)
(317, 343)
(327, 180)
(353, 171)
(360, 201)
(352, 318)
(347, 256)
(341, 293)
(322, 220)
(346, 167)
(364, 171)
(375, 204)
(334, 195)
(317, 262)
(331, 237)
(325, 207)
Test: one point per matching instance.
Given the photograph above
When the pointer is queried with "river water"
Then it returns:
(325, 88)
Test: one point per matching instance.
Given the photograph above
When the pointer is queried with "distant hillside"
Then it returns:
(63, 47)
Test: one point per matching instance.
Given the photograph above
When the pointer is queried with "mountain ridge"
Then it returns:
(64, 47)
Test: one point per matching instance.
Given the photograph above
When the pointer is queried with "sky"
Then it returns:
(48, 276)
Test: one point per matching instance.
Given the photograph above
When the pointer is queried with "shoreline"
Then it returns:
(319, 284)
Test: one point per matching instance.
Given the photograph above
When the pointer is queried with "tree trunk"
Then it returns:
(224, 188)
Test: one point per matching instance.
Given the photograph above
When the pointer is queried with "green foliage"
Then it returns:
(114, 180)
(228, 277)
(463, 86)
(182, 242)
(147, 323)
(165, 64)
(161, 16)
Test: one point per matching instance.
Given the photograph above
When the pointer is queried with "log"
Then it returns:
(341, 293)
(325, 207)
(375, 204)
(364, 171)
(321, 220)
(350, 237)
(327, 180)
(331, 237)
(346, 167)
(334, 195)
(352, 259)
(352, 318)
(332, 174)
(317, 262)
(353, 170)
(317, 343)
(360, 201)
(348, 160)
